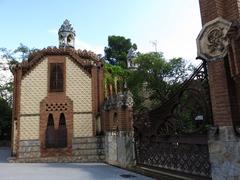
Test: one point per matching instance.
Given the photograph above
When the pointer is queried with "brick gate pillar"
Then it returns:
(118, 117)
(218, 43)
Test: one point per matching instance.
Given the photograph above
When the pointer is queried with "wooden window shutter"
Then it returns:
(56, 77)
(62, 132)
(50, 133)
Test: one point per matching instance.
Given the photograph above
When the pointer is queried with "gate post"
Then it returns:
(118, 118)
(218, 43)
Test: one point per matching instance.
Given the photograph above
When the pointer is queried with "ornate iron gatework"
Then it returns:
(174, 136)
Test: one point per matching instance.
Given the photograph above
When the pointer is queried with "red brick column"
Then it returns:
(224, 82)
(94, 97)
(16, 111)
(211, 9)
(219, 91)
(221, 71)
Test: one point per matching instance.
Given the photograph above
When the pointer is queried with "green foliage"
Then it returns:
(117, 50)
(114, 75)
(5, 119)
(155, 79)
(152, 82)
(6, 90)
(19, 54)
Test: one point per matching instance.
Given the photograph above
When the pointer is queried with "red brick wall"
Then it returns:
(222, 87)
(208, 10)
(231, 9)
(122, 120)
(16, 112)
(219, 93)
(211, 9)
(55, 99)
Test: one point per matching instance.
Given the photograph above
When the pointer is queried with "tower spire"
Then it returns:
(66, 35)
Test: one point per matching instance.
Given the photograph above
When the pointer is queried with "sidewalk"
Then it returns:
(61, 171)
(68, 171)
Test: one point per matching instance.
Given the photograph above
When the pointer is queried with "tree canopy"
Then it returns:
(117, 50)
(153, 80)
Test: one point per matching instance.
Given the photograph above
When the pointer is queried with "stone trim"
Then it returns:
(26, 115)
(212, 41)
(87, 112)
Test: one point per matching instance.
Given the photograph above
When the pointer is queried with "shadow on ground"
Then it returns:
(5, 152)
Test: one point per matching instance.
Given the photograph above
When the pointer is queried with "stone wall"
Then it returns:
(224, 149)
(119, 148)
(29, 149)
(115, 148)
(89, 149)
(85, 149)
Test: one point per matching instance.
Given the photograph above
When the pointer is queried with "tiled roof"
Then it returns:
(86, 59)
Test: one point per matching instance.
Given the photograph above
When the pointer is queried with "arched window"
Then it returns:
(50, 132)
(62, 132)
(56, 77)
(69, 39)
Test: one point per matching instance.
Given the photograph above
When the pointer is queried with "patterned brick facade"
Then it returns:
(33, 100)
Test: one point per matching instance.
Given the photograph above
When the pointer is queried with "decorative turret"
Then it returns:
(66, 35)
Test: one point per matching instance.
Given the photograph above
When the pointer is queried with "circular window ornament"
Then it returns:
(212, 41)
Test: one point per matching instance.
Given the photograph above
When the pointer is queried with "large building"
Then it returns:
(56, 110)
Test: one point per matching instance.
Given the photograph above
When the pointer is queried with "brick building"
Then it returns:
(218, 43)
(57, 97)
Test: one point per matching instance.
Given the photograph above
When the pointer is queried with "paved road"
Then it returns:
(63, 171)
(4, 154)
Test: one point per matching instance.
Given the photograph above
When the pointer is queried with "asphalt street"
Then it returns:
(61, 171)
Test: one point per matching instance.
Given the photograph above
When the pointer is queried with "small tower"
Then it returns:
(66, 35)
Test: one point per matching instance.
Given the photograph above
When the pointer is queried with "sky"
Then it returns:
(173, 24)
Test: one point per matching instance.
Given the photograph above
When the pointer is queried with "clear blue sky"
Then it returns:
(175, 24)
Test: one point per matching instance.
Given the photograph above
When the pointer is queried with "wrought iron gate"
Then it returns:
(174, 136)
